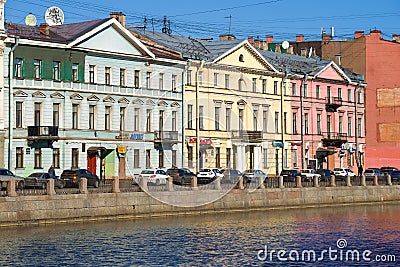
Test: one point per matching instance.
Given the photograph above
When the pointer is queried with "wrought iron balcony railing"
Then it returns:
(333, 103)
(43, 132)
(333, 139)
(249, 136)
(166, 136)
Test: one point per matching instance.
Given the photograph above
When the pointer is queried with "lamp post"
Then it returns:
(356, 90)
(198, 68)
(302, 120)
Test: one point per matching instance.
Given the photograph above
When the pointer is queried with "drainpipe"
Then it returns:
(302, 120)
(198, 68)
(10, 99)
(183, 120)
(283, 84)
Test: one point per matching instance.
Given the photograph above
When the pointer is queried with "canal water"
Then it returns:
(296, 237)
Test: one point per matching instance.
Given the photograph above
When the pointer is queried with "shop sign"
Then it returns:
(277, 144)
(121, 149)
(137, 136)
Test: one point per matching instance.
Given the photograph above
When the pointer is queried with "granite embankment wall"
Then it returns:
(19, 210)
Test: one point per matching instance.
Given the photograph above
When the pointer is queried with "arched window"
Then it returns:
(241, 58)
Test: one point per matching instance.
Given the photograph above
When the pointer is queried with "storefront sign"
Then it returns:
(121, 149)
(137, 136)
(277, 144)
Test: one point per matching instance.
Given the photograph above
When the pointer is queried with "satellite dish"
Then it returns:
(30, 20)
(54, 16)
(285, 44)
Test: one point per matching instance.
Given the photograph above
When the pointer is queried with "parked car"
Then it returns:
(309, 174)
(396, 176)
(326, 174)
(341, 173)
(6, 175)
(290, 175)
(181, 176)
(388, 170)
(72, 177)
(40, 179)
(253, 175)
(206, 176)
(231, 175)
(371, 172)
(154, 176)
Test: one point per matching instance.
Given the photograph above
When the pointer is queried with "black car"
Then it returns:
(231, 176)
(39, 179)
(72, 178)
(326, 174)
(290, 175)
(181, 176)
(388, 170)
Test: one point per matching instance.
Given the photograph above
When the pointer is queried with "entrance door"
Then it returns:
(91, 161)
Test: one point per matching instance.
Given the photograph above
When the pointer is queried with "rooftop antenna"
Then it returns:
(230, 23)
(145, 24)
(152, 24)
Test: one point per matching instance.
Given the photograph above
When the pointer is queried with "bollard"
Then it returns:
(316, 181)
(333, 181)
(261, 182)
(115, 185)
(169, 184)
(389, 179)
(298, 182)
(11, 185)
(363, 181)
(217, 183)
(281, 185)
(240, 183)
(194, 183)
(376, 182)
(83, 186)
(143, 183)
(348, 180)
(50, 187)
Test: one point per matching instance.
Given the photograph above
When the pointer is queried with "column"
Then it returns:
(257, 157)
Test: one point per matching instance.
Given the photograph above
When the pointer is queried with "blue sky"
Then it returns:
(283, 19)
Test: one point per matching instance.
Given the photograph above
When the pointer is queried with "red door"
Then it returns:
(91, 162)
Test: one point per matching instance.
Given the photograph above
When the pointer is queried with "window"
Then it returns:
(265, 121)
(255, 120)
(240, 84)
(295, 158)
(56, 114)
(136, 158)
(319, 129)
(254, 84)
(294, 89)
(306, 124)
(285, 122)
(228, 112)
(265, 161)
(137, 79)
(148, 76)
(340, 124)
(161, 120)
(107, 75)
(37, 65)
(217, 157)
(228, 158)
(329, 124)
(136, 115)
(216, 118)
(328, 93)
(38, 158)
(148, 158)
(227, 81)
(91, 116)
(148, 120)
(19, 157)
(215, 79)
(305, 93)
(349, 126)
(264, 86)
(18, 114)
(91, 73)
(317, 91)
(339, 93)
(122, 118)
(37, 114)
(56, 70)
(359, 127)
(161, 159)
(174, 158)
(173, 82)
(122, 77)
(161, 81)
(285, 159)
(200, 78)
(75, 158)
(190, 116)
(75, 110)
(349, 95)
(18, 67)
(276, 122)
(201, 114)
(275, 87)
(189, 77)
(75, 73)
(56, 158)
(107, 118)
(190, 156)
(294, 123)
(359, 98)
(241, 117)
(174, 118)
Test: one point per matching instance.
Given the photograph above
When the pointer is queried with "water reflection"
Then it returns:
(216, 240)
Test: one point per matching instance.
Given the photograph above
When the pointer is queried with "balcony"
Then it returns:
(164, 140)
(331, 139)
(248, 136)
(333, 103)
(42, 136)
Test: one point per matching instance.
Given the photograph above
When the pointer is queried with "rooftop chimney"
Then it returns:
(358, 34)
(396, 37)
(250, 39)
(120, 17)
(375, 34)
(226, 37)
(44, 29)
(338, 59)
(326, 37)
(299, 38)
(303, 52)
(257, 43)
(269, 38)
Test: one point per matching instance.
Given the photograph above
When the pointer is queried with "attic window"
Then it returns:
(241, 58)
